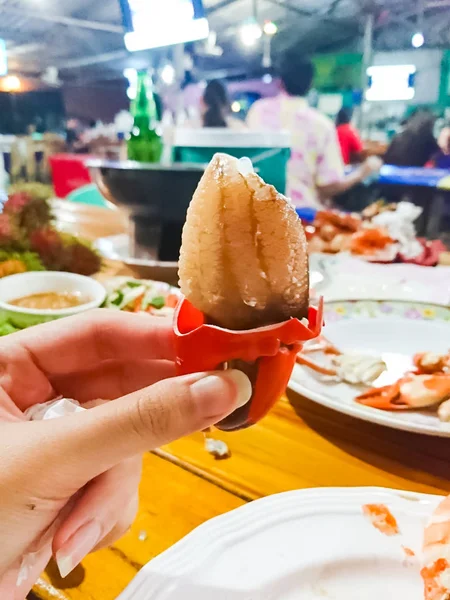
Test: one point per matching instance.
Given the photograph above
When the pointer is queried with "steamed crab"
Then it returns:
(428, 385)
(348, 367)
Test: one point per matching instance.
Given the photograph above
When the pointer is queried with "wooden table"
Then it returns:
(298, 445)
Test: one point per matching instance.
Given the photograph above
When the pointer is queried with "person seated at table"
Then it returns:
(349, 140)
(71, 487)
(441, 160)
(216, 107)
(315, 171)
(416, 144)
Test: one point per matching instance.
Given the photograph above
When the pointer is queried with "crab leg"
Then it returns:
(302, 360)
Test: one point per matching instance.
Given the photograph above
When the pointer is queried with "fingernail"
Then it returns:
(214, 390)
(77, 547)
(27, 563)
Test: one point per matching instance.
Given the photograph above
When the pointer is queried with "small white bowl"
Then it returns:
(40, 282)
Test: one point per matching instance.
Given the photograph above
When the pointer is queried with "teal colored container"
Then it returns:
(88, 194)
(269, 152)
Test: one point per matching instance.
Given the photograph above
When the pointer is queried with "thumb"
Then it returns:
(91, 442)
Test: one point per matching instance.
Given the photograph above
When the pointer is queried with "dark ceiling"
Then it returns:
(83, 39)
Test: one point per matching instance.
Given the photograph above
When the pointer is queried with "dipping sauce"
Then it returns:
(50, 300)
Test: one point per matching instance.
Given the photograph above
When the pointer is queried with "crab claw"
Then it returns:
(384, 398)
(412, 391)
(266, 354)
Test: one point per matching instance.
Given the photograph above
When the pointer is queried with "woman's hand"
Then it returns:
(69, 485)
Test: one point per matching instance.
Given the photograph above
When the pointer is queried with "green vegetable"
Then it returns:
(133, 284)
(158, 302)
(117, 301)
(6, 328)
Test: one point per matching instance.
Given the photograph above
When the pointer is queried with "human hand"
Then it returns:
(371, 165)
(69, 486)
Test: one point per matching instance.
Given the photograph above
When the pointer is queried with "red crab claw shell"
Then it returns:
(412, 391)
(266, 354)
(384, 398)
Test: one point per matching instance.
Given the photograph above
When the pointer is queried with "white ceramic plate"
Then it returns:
(349, 278)
(394, 330)
(302, 545)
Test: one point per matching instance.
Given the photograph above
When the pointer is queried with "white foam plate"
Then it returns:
(301, 545)
(393, 330)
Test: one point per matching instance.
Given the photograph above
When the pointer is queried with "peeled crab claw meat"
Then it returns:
(243, 259)
(266, 354)
(410, 392)
(244, 273)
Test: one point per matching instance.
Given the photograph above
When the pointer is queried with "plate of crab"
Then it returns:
(336, 543)
(384, 362)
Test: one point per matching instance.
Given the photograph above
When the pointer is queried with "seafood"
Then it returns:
(381, 518)
(333, 231)
(409, 392)
(377, 208)
(370, 241)
(349, 367)
(244, 275)
(431, 362)
(243, 260)
(436, 554)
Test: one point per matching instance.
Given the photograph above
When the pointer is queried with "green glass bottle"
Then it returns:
(144, 143)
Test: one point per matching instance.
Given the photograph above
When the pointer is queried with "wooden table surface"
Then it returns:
(298, 445)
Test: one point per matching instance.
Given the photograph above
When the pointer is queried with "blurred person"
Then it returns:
(71, 487)
(441, 160)
(315, 170)
(216, 107)
(416, 144)
(349, 140)
(71, 133)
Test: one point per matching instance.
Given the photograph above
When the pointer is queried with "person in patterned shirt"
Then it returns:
(315, 170)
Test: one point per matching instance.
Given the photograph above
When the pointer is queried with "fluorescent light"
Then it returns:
(250, 33)
(270, 28)
(391, 82)
(418, 40)
(156, 36)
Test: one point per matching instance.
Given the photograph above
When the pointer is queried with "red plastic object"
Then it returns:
(268, 352)
(69, 172)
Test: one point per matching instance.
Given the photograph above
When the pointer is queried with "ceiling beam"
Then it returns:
(219, 5)
(61, 20)
(293, 8)
(74, 63)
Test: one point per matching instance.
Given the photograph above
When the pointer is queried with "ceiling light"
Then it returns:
(168, 74)
(270, 28)
(250, 33)
(418, 40)
(267, 78)
(11, 83)
(236, 107)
